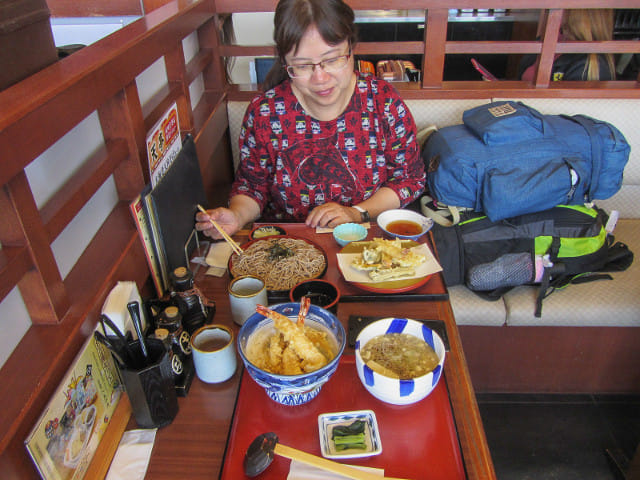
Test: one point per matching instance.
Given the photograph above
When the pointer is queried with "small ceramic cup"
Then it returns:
(214, 354)
(244, 294)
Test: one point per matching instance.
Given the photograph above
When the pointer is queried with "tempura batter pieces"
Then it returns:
(294, 348)
(387, 259)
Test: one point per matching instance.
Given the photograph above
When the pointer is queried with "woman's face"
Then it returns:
(322, 92)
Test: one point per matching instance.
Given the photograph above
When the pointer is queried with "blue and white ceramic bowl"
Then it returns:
(393, 390)
(293, 389)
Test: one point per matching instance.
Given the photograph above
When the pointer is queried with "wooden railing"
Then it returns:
(435, 47)
(34, 115)
(37, 112)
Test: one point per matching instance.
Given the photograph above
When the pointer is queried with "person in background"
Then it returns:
(322, 144)
(579, 25)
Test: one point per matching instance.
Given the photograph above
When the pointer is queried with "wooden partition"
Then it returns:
(40, 110)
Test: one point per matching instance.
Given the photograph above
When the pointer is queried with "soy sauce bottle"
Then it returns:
(193, 311)
(169, 326)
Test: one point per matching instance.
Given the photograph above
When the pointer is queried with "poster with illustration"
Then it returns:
(163, 144)
(65, 438)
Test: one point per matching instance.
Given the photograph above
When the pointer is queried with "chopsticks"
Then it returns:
(234, 246)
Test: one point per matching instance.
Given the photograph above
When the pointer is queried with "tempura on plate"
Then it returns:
(388, 259)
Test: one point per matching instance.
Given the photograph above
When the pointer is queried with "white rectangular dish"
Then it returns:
(327, 422)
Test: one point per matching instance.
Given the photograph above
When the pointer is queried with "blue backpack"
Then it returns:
(507, 159)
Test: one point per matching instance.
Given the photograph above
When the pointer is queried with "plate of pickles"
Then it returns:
(351, 434)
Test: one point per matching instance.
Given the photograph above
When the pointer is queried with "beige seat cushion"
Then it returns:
(612, 303)
(470, 309)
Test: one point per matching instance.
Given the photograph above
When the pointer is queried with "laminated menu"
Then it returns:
(67, 434)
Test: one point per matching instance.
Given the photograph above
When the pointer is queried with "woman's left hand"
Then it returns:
(331, 214)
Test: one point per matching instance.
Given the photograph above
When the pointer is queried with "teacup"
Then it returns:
(214, 354)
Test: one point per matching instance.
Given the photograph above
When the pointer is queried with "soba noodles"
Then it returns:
(281, 262)
(399, 355)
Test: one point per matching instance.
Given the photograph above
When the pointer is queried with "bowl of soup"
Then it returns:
(404, 224)
(399, 360)
(290, 361)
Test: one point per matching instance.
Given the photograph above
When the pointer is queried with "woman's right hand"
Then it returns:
(224, 217)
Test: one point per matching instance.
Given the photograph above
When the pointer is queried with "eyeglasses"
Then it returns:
(330, 65)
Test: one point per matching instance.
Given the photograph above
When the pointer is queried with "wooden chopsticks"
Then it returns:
(234, 246)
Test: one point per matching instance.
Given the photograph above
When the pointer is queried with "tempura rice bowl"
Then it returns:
(292, 389)
(393, 390)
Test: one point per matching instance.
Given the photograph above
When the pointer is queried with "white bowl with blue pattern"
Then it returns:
(293, 389)
(393, 390)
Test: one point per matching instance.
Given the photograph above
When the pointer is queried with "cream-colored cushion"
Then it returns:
(235, 112)
(441, 113)
(470, 309)
(612, 303)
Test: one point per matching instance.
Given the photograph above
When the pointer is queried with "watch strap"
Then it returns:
(364, 215)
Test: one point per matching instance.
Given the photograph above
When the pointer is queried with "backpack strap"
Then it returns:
(596, 151)
(436, 215)
(619, 257)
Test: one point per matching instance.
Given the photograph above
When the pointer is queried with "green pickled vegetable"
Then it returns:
(358, 446)
(357, 426)
(349, 436)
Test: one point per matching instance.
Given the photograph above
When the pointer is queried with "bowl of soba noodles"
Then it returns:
(291, 349)
(282, 261)
(399, 361)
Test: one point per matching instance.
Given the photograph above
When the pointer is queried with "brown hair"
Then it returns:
(590, 25)
(334, 20)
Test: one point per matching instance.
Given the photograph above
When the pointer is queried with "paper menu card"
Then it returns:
(66, 436)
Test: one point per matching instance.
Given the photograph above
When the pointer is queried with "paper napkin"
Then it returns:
(218, 258)
(302, 471)
(131, 459)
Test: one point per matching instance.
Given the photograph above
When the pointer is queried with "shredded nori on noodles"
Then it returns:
(278, 252)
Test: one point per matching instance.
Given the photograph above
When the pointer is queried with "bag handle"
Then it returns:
(547, 131)
(438, 217)
(596, 151)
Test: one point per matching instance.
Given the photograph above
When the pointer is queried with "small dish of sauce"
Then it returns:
(404, 227)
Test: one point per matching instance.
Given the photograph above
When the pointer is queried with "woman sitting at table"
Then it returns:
(579, 25)
(323, 144)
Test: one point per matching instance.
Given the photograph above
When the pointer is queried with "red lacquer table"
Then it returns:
(440, 438)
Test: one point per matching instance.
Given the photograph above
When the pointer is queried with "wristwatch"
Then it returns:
(364, 215)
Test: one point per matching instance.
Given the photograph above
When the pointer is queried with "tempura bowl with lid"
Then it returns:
(292, 389)
(394, 390)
